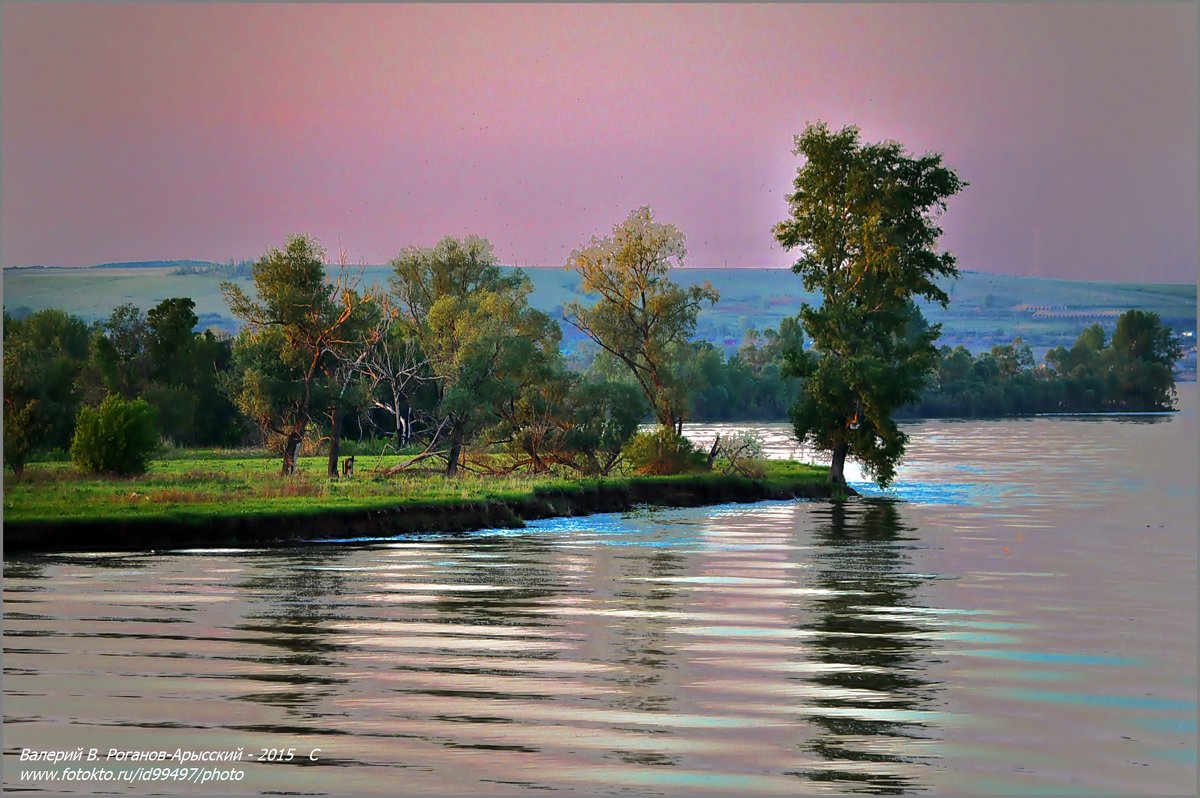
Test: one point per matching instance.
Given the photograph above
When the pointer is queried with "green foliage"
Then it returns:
(1133, 373)
(641, 317)
(604, 416)
(749, 385)
(119, 437)
(863, 217)
(170, 326)
(23, 431)
(486, 347)
(293, 293)
(160, 358)
(289, 350)
(44, 354)
(561, 418)
(663, 452)
(261, 383)
(119, 351)
(453, 268)
(1144, 351)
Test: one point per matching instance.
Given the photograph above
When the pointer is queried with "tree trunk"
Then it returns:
(837, 468)
(335, 441)
(539, 465)
(401, 427)
(291, 450)
(712, 453)
(456, 438)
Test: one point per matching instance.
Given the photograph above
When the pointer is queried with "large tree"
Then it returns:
(1145, 351)
(473, 321)
(121, 351)
(864, 219)
(641, 317)
(184, 368)
(286, 353)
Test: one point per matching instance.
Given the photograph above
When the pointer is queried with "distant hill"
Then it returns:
(131, 264)
(155, 264)
(985, 309)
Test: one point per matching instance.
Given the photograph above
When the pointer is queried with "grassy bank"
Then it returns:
(219, 498)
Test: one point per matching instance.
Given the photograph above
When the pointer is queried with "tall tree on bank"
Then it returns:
(641, 317)
(474, 323)
(285, 352)
(864, 219)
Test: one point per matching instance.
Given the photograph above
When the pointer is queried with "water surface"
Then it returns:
(1016, 615)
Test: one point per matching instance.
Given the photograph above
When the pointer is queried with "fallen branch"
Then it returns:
(425, 455)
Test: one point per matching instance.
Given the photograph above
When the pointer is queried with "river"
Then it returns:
(1016, 615)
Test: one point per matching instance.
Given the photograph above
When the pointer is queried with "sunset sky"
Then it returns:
(213, 131)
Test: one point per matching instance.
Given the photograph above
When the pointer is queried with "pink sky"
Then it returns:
(137, 132)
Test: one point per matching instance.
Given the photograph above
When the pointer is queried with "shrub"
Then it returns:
(664, 452)
(742, 453)
(119, 437)
(604, 417)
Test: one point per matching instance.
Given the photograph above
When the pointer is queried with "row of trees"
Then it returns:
(451, 354)
(450, 349)
(752, 384)
(55, 364)
(453, 348)
(1132, 372)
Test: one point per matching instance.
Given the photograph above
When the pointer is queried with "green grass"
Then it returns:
(195, 485)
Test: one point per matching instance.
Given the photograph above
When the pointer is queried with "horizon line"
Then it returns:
(163, 263)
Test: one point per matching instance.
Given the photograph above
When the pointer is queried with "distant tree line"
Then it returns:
(1131, 372)
(231, 270)
(748, 385)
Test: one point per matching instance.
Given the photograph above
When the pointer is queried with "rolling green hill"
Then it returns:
(985, 309)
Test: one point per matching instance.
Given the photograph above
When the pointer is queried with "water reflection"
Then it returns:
(292, 606)
(862, 565)
(1023, 622)
(496, 581)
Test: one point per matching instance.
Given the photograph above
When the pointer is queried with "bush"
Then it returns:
(119, 437)
(664, 452)
(742, 453)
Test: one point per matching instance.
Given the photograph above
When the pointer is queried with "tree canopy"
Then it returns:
(1134, 371)
(484, 343)
(298, 320)
(641, 317)
(863, 218)
(43, 356)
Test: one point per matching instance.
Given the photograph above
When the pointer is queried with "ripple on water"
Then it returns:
(774, 649)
